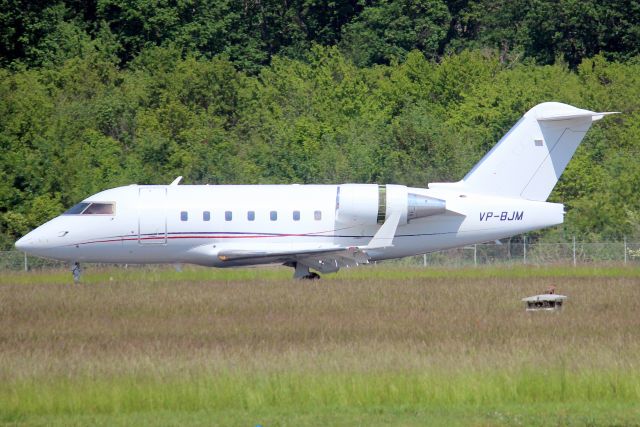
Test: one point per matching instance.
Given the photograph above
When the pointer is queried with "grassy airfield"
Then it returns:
(369, 346)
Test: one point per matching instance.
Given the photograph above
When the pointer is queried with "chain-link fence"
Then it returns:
(521, 252)
(15, 260)
(18, 261)
(505, 252)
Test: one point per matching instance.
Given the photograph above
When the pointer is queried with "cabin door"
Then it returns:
(152, 216)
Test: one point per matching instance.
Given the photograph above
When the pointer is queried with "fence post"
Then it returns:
(574, 251)
(26, 265)
(625, 249)
(475, 255)
(424, 259)
(524, 249)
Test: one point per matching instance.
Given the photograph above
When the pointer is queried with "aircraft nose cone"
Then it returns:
(45, 241)
(24, 243)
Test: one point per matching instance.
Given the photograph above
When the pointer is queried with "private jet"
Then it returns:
(325, 227)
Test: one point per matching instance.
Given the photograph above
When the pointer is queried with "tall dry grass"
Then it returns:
(122, 345)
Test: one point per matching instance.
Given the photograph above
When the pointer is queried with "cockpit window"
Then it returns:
(99, 209)
(95, 208)
(77, 209)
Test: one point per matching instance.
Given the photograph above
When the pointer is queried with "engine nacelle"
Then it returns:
(370, 204)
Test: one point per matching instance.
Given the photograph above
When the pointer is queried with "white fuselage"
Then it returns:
(326, 227)
(193, 223)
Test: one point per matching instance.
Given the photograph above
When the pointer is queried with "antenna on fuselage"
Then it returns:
(176, 181)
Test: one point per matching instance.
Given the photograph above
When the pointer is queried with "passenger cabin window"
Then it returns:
(273, 215)
(251, 215)
(228, 216)
(92, 208)
(206, 216)
(296, 215)
(317, 215)
(184, 216)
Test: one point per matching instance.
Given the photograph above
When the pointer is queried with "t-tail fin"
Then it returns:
(528, 161)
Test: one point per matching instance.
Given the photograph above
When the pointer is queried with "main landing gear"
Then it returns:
(302, 272)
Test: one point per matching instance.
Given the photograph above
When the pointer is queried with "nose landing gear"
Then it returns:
(76, 271)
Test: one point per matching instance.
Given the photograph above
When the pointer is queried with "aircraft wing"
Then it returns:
(273, 252)
(332, 261)
(323, 259)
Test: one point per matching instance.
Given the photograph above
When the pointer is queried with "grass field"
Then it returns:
(369, 346)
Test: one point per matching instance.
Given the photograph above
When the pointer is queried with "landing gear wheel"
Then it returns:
(76, 271)
(301, 271)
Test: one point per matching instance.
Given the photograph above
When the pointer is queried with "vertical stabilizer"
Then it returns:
(528, 161)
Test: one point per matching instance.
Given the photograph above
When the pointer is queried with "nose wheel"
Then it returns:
(76, 271)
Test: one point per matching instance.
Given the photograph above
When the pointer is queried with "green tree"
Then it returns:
(546, 30)
(388, 30)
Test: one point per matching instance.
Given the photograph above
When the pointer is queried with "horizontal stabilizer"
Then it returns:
(562, 115)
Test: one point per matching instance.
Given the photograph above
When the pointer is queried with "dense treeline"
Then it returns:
(100, 94)
(368, 32)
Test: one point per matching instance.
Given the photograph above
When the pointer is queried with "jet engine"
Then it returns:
(370, 204)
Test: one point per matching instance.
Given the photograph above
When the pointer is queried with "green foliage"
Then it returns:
(100, 94)
(71, 130)
(373, 32)
(387, 31)
(547, 30)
